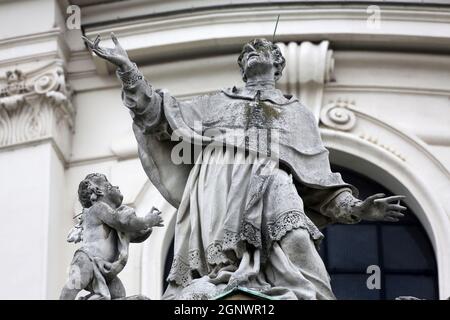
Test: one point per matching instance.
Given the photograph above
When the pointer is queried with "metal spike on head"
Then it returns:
(275, 30)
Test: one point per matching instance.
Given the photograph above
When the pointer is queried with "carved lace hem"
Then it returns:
(181, 270)
(290, 220)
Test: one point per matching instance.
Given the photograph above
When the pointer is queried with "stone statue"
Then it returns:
(258, 188)
(105, 229)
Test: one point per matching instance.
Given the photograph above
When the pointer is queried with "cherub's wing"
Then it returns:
(75, 234)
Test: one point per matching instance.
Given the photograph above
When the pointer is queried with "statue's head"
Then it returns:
(96, 187)
(261, 55)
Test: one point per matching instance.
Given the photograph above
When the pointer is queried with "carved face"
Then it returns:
(105, 188)
(257, 53)
(112, 193)
(260, 56)
(257, 59)
(13, 76)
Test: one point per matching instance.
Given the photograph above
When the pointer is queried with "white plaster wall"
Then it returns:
(35, 16)
(100, 120)
(32, 214)
(406, 89)
(58, 224)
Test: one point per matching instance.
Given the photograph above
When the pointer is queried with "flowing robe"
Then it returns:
(245, 211)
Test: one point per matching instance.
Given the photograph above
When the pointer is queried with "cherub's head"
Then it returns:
(96, 187)
(261, 56)
(14, 76)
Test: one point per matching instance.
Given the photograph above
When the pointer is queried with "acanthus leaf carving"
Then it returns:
(33, 106)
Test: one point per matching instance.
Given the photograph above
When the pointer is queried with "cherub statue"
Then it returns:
(105, 229)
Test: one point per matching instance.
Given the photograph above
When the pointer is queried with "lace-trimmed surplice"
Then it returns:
(233, 210)
(240, 218)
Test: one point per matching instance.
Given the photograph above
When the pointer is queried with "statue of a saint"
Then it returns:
(246, 217)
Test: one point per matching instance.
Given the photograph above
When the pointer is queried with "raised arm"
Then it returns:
(124, 219)
(137, 94)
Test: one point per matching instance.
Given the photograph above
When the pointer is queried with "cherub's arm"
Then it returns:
(124, 219)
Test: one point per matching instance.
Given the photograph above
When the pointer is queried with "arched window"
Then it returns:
(401, 250)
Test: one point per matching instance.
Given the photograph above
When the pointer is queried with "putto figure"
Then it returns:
(105, 229)
(243, 220)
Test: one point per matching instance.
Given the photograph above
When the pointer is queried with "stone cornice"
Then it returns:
(117, 11)
(223, 30)
(44, 46)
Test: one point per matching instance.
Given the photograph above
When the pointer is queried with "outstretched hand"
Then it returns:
(116, 55)
(380, 208)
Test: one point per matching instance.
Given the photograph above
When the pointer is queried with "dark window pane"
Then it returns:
(406, 248)
(410, 285)
(405, 255)
(323, 247)
(353, 287)
(352, 248)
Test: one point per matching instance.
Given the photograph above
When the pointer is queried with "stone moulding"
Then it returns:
(157, 38)
(36, 105)
(342, 115)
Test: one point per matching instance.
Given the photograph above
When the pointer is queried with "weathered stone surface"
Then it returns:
(247, 216)
(105, 230)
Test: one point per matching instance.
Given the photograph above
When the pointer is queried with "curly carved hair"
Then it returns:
(279, 63)
(87, 190)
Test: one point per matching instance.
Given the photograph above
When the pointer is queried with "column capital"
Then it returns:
(36, 105)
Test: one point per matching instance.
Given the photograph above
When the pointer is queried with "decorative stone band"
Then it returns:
(342, 211)
(290, 220)
(130, 77)
(36, 105)
(180, 272)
